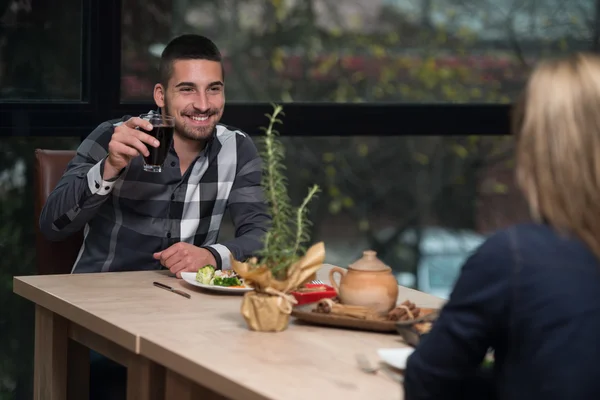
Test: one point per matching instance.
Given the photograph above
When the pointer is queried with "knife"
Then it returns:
(169, 288)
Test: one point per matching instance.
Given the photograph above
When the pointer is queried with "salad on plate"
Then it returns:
(207, 275)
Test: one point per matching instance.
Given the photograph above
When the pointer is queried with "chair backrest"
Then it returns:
(52, 257)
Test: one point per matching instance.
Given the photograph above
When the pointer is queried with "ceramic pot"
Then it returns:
(368, 282)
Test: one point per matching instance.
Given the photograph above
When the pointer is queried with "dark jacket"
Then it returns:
(533, 296)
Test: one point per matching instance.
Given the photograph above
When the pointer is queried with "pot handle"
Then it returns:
(332, 273)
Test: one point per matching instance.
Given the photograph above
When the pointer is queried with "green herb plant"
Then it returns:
(286, 238)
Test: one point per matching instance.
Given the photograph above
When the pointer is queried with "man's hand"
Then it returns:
(126, 143)
(184, 257)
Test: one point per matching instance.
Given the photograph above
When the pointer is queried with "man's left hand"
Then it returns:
(184, 257)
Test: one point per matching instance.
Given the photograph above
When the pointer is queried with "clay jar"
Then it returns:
(368, 282)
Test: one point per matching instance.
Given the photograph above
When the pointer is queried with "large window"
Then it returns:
(423, 203)
(401, 51)
(40, 50)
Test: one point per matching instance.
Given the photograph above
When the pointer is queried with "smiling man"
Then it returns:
(138, 220)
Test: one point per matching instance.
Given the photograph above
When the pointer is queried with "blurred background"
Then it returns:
(398, 109)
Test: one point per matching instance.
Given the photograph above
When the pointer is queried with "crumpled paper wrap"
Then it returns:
(268, 307)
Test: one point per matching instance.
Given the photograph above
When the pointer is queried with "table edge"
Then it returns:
(73, 313)
(197, 373)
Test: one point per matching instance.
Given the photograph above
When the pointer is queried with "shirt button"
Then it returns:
(173, 197)
(173, 163)
(169, 235)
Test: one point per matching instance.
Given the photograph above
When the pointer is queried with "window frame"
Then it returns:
(100, 89)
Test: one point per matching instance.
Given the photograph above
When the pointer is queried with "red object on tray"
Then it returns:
(306, 297)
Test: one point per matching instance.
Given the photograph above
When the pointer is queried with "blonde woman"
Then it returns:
(532, 292)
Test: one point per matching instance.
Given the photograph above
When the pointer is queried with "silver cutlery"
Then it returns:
(365, 365)
(317, 282)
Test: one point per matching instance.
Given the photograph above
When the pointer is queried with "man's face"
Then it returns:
(195, 97)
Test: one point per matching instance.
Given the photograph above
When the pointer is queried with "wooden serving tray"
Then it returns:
(305, 313)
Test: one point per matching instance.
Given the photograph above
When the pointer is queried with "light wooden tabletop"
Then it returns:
(113, 305)
(206, 340)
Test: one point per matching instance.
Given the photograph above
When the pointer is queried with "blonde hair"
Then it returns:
(557, 127)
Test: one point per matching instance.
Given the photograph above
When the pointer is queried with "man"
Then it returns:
(134, 220)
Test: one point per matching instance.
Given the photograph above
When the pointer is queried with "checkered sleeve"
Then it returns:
(81, 190)
(247, 207)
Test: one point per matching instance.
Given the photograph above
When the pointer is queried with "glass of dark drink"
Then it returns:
(162, 130)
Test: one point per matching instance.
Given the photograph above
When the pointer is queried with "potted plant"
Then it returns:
(284, 263)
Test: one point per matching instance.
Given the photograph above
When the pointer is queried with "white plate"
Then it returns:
(395, 357)
(190, 277)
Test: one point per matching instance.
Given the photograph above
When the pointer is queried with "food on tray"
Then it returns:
(329, 306)
(207, 275)
(404, 312)
(423, 327)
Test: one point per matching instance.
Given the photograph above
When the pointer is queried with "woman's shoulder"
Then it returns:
(504, 246)
(532, 237)
(526, 234)
(536, 244)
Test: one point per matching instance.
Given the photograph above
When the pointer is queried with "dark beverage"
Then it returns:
(164, 134)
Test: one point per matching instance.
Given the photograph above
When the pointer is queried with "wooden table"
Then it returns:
(193, 348)
(75, 313)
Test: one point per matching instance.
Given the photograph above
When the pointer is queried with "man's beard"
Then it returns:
(193, 132)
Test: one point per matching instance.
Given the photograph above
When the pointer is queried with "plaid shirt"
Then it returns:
(127, 219)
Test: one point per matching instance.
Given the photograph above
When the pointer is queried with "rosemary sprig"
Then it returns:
(302, 221)
(289, 230)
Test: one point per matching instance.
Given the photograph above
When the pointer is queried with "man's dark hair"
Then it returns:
(186, 47)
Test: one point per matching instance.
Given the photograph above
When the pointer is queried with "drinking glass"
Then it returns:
(162, 130)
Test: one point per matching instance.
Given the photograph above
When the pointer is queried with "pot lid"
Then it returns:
(369, 262)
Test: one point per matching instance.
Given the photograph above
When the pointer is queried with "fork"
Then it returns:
(317, 282)
(367, 367)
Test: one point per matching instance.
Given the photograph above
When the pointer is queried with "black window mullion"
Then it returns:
(101, 54)
(330, 119)
(105, 56)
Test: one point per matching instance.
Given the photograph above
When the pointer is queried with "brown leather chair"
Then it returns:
(52, 257)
